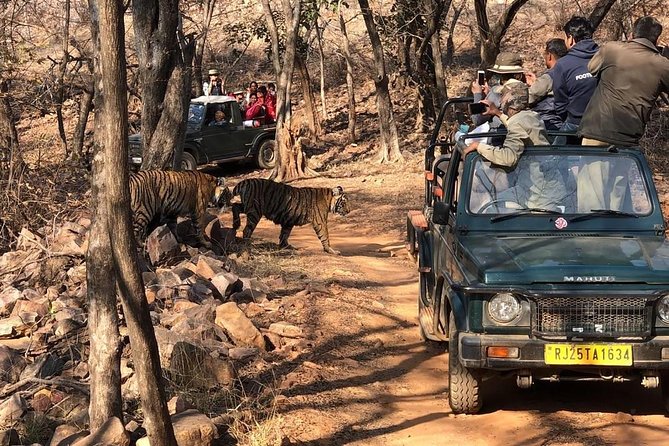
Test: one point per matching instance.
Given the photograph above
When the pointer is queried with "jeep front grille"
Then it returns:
(592, 316)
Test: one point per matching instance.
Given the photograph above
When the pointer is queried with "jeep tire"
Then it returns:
(267, 154)
(188, 162)
(464, 385)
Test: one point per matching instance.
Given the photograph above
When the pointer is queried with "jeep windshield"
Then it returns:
(195, 115)
(549, 182)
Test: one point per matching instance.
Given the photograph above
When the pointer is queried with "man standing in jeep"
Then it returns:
(625, 95)
(573, 85)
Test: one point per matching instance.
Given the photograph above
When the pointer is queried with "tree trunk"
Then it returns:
(85, 106)
(59, 95)
(105, 352)
(439, 71)
(201, 45)
(309, 100)
(290, 164)
(321, 60)
(390, 147)
(349, 76)
(114, 174)
(9, 142)
(491, 36)
(450, 45)
(171, 129)
(599, 12)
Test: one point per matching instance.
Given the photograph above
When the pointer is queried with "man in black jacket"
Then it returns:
(573, 85)
(541, 88)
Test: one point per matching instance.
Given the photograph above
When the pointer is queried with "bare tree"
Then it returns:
(165, 56)
(207, 15)
(113, 242)
(492, 34)
(349, 74)
(59, 93)
(321, 61)
(291, 162)
(390, 146)
(599, 11)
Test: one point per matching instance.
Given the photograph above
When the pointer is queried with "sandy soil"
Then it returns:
(366, 377)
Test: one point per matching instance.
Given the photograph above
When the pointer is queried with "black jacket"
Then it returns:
(573, 85)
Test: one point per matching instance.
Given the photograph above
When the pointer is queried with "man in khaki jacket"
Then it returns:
(631, 76)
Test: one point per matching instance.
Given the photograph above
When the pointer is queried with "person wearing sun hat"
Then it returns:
(214, 86)
(508, 68)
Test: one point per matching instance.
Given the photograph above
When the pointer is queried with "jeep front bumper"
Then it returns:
(474, 352)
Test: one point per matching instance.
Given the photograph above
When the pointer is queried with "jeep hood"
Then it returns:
(558, 259)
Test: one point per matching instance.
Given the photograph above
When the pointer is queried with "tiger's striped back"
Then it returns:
(158, 196)
(287, 206)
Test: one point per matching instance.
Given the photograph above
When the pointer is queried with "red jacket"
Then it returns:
(254, 111)
(270, 102)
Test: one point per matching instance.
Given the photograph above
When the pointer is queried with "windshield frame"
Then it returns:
(532, 221)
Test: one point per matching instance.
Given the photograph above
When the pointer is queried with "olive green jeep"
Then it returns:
(521, 275)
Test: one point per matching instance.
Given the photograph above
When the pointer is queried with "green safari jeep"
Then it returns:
(520, 275)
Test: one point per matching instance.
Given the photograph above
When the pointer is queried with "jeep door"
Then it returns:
(225, 142)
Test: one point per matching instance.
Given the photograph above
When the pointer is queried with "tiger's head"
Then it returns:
(339, 201)
(222, 194)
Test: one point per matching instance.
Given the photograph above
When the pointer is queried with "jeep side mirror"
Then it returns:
(440, 212)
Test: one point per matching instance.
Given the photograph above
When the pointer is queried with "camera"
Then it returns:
(477, 108)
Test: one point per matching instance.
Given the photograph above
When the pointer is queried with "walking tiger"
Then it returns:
(287, 206)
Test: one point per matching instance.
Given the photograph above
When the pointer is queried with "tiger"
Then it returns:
(287, 206)
(158, 197)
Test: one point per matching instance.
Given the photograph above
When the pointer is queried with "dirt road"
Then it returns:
(368, 379)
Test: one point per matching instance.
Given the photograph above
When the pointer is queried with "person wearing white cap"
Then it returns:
(214, 87)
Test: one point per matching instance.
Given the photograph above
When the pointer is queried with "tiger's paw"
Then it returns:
(333, 251)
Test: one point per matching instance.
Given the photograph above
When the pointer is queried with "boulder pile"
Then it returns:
(209, 323)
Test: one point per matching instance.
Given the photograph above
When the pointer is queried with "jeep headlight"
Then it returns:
(504, 308)
(663, 309)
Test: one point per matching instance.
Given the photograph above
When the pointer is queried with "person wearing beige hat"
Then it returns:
(214, 86)
(508, 68)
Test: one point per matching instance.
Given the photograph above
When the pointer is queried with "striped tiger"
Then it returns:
(287, 206)
(158, 197)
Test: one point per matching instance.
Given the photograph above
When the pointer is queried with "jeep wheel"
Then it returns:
(188, 162)
(267, 154)
(464, 393)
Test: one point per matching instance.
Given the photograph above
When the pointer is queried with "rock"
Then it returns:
(41, 401)
(286, 330)
(70, 244)
(9, 437)
(242, 352)
(178, 404)
(65, 435)
(161, 245)
(181, 305)
(148, 277)
(220, 236)
(256, 286)
(8, 298)
(77, 274)
(80, 370)
(193, 366)
(253, 309)
(167, 278)
(111, 433)
(238, 326)
(11, 327)
(31, 306)
(44, 367)
(246, 296)
(65, 327)
(12, 409)
(191, 428)
(622, 417)
(11, 364)
(28, 240)
(208, 267)
(226, 283)
(273, 340)
(130, 389)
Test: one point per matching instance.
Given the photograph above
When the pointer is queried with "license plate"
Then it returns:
(137, 160)
(588, 354)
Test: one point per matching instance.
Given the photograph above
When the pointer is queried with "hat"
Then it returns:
(239, 92)
(214, 72)
(515, 95)
(507, 63)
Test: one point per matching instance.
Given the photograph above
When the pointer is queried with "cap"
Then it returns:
(515, 95)
(239, 92)
(214, 72)
(507, 63)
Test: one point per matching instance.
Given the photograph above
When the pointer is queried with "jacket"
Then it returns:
(631, 76)
(542, 101)
(525, 128)
(573, 85)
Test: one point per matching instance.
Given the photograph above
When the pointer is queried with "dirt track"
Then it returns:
(370, 380)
